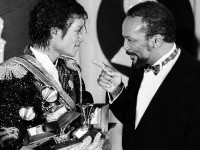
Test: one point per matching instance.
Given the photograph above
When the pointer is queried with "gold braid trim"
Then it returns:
(10, 69)
(8, 133)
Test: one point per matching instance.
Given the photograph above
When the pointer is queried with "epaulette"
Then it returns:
(11, 69)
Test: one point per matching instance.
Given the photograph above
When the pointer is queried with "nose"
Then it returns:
(126, 46)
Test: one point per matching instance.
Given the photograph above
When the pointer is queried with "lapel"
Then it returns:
(27, 51)
(133, 87)
(69, 79)
(167, 89)
(43, 74)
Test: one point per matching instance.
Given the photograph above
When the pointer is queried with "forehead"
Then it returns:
(133, 26)
(77, 23)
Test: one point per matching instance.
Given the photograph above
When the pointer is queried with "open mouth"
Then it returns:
(134, 57)
(131, 54)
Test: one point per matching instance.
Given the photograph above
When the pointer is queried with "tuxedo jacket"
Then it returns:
(172, 119)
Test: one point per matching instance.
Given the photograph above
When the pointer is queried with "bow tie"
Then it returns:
(156, 68)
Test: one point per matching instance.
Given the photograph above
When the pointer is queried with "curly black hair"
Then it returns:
(158, 18)
(48, 14)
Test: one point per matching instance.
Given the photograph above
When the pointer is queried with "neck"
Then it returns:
(53, 55)
(160, 51)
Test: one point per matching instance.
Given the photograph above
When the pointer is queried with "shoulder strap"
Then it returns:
(33, 66)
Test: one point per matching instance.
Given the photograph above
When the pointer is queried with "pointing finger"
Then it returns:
(98, 63)
(103, 66)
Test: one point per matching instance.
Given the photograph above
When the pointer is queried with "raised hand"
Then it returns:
(109, 79)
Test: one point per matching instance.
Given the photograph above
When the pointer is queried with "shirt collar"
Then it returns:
(43, 59)
(159, 62)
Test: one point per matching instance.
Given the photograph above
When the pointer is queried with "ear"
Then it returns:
(54, 32)
(157, 40)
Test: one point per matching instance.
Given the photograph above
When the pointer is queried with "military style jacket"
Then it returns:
(26, 89)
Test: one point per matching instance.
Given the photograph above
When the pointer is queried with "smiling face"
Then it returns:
(70, 43)
(137, 46)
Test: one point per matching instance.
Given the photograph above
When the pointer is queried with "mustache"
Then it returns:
(130, 53)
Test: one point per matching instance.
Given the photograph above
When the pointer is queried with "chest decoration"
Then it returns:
(71, 84)
(65, 125)
(27, 113)
(49, 94)
(10, 69)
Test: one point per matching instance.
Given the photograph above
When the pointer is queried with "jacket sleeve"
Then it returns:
(118, 106)
(15, 94)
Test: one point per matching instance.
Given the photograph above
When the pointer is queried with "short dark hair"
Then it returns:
(158, 18)
(48, 14)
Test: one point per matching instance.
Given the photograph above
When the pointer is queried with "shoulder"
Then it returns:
(12, 69)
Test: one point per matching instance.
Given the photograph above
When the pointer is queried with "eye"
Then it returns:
(130, 40)
(79, 31)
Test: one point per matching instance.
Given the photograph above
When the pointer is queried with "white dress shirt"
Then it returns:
(46, 62)
(151, 83)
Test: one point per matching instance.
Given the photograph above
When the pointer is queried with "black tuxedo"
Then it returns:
(172, 119)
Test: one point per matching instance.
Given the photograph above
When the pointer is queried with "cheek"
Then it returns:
(74, 38)
(70, 42)
(144, 50)
(136, 45)
(137, 48)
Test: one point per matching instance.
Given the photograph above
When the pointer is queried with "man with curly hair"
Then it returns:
(38, 87)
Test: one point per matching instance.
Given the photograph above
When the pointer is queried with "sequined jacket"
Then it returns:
(20, 88)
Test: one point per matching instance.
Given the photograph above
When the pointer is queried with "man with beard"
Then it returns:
(159, 109)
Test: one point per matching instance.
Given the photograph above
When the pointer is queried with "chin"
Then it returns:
(72, 54)
(139, 63)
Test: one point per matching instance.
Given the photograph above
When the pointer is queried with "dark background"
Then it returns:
(15, 14)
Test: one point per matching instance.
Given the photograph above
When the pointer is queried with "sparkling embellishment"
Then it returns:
(71, 63)
(71, 84)
(27, 113)
(50, 94)
(10, 69)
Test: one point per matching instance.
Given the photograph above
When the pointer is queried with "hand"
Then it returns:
(109, 79)
(88, 144)
(107, 144)
(25, 148)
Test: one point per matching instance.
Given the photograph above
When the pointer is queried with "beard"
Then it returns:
(137, 61)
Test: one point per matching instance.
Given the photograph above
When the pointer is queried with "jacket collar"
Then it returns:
(27, 51)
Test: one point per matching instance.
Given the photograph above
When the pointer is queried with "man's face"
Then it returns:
(70, 43)
(135, 43)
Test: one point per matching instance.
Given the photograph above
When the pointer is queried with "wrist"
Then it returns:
(117, 90)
